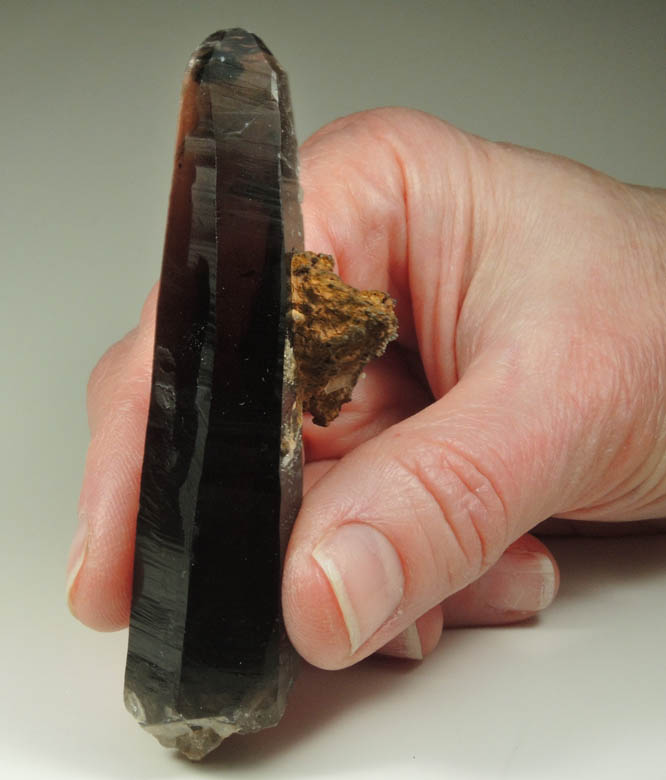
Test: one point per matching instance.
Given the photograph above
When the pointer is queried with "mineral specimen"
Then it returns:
(221, 479)
(245, 338)
(337, 330)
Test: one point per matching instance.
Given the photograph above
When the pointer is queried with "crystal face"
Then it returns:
(221, 479)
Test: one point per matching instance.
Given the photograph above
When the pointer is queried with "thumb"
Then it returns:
(417, 513)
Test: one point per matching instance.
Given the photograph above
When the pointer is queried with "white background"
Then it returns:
(88, 102)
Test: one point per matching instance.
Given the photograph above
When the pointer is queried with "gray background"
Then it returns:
(88, 103)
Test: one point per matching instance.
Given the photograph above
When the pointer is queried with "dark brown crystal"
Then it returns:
(221, 480)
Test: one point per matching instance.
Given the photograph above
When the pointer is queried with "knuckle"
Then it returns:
(467, 523)
(113, 363)
(119, 374)
(105, 368)
(149, 309)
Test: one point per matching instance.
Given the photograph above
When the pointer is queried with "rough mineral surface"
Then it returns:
(337, 331)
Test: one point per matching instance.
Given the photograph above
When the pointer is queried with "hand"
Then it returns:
(529, 381)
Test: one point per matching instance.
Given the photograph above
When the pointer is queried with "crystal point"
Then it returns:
(221, 480)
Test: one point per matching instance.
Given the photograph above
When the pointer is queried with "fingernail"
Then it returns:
(406, 645)
(520, 581)
(366, 576)
(77, 554)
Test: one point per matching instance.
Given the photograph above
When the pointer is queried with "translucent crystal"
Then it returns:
(221, 481)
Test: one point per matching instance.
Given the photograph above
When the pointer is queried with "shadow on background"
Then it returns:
(591, 565)
(318, 699)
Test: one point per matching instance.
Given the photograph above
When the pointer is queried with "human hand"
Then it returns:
(528, 382)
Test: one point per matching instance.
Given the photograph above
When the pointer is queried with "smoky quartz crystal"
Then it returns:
(221, 481)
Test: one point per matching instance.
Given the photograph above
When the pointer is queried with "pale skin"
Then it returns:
(528, 382)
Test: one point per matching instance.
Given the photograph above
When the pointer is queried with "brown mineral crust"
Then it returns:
(337, 331)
